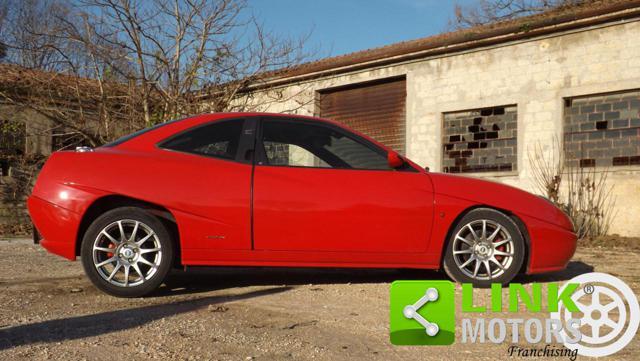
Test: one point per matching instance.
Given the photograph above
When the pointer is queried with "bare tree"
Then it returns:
(121, 65)
(3, 17)
(582, 193)
(175, 49)
(490, 11)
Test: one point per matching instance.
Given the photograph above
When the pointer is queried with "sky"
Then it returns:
(343, 26)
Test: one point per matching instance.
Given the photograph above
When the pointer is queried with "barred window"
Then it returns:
(480, 140)
(602, 130)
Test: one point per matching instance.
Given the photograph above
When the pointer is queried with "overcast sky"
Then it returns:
(344, 26)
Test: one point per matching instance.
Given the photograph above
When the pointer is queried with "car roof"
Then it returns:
(149, 137)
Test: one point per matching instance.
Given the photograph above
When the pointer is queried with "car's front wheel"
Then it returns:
(485, 247)
(127, 252)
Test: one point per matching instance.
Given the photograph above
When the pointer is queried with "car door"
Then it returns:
(209, 187)
(318, 187)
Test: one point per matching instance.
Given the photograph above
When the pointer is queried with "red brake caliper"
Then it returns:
(111, 245)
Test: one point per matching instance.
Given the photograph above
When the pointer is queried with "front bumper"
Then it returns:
(551, 246)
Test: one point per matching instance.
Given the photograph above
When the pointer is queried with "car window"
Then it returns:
(218, 139)
(140, 132)
(300, 144)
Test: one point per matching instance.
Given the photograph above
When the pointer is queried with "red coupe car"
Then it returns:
(251, 189)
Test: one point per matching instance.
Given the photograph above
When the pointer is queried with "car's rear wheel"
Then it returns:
(485, 247)
(127, 252)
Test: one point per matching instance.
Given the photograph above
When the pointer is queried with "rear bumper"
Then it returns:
(551, 247)
(57, 227)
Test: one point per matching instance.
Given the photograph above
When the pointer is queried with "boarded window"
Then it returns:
(480, 140)
(376, 109)
(602, 130)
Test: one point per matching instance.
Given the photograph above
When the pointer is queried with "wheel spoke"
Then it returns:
(595, 330)
(115, 270)
(149, 250)
(465, 264)
(500, 243)
(477, 268)
(464, 240)
(113, 240)
(495, 233)
(137, 269)
(121, 228)
(145, 238)
(495, 261)
(484, 229)
(464, 251)
(500, 253)
(103, 249)
(133, 233)
(126, 275)
(486, 265)
(143, 260)
(473, 233)
(110, 260)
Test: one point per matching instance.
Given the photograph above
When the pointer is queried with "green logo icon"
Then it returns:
(422, 313)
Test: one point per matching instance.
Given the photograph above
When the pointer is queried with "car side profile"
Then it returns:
(254, 189)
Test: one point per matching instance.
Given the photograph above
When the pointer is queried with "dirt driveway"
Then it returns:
(48, 310)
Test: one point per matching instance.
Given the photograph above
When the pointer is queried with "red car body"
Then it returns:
(231, 213)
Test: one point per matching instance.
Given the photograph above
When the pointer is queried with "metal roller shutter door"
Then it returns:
(375, 109)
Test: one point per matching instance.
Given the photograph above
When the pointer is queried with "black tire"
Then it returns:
(162, 259)
(455, 265)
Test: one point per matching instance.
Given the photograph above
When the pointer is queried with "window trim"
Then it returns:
(261, 157)
(247, 137)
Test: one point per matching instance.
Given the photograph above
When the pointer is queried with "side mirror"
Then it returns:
(395, 161)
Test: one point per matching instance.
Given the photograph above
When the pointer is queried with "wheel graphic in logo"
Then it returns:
(603, 301)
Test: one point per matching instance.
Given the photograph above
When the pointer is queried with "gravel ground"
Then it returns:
(48, 310)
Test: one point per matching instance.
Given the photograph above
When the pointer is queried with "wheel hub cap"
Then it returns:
(483, 250)
(127, 253)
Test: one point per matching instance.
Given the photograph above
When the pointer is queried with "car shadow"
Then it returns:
(205, 279)
(79, 327)
(574, 268)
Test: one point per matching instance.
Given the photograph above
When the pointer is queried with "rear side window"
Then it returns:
(219, 140)
(138, 133)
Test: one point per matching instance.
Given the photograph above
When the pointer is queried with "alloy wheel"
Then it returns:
(483, 249)
(127, 253)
